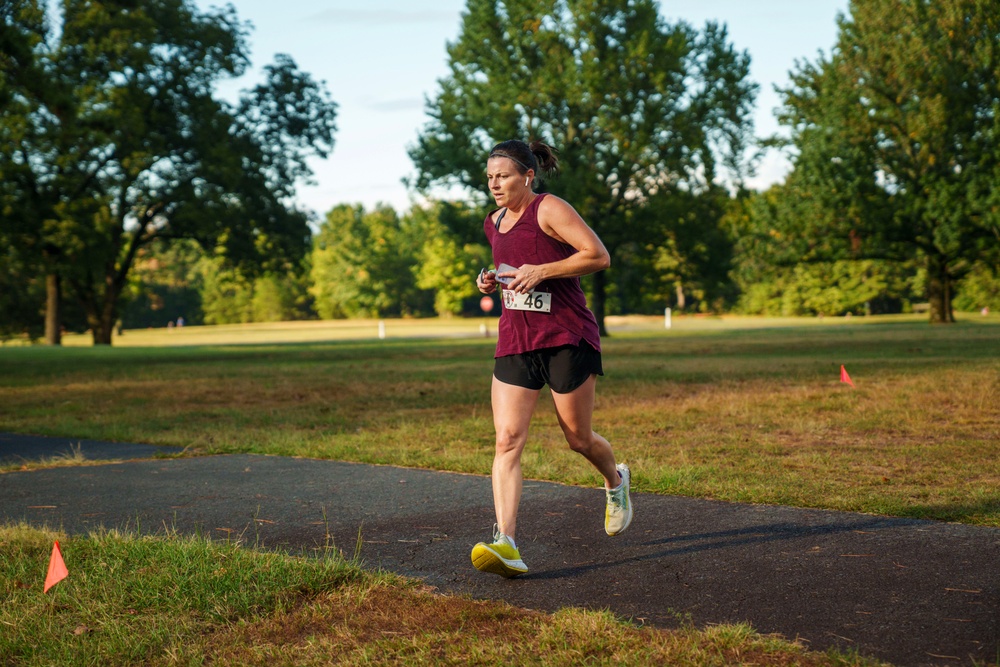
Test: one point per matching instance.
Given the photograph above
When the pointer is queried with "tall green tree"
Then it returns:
(689, 266)
(229, 296)
(783, 267)
(449, 254)
(22, 29)
(638, 108)
(180, 279)
(21, 300)
(363, 264)
(980, 289)
(111, 138)
(897, 135)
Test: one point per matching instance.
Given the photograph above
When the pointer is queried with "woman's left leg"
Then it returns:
(575, 411)
(512, 410)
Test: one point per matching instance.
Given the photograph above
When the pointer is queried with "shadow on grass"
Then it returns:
(985, 512)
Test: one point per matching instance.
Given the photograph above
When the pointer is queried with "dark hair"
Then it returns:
(536, 155)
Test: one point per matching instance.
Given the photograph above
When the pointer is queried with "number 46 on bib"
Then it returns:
(539, 302)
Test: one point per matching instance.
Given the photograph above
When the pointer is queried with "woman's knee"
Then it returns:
(510, 443)
(581, 443)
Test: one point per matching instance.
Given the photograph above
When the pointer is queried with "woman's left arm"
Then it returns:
(561, 221)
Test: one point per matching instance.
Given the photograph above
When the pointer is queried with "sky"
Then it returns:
(382, 59)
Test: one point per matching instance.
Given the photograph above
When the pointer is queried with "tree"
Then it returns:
(897, 135)
(281, 297)
(226, 294)
(180, 280)
(980, 289)
(689, 265)
(165, 283)
(229, 296)
(363, 264)
(448, 258)
(22, 28)
(111, 138)
(20, 300)
(638, 108)
(782, 267)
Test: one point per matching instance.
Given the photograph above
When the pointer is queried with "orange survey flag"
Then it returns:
(57, 569)
(844, 377)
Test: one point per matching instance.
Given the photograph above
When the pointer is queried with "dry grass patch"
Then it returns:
(386, 625)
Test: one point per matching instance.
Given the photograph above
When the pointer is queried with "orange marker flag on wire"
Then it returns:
(844, 377)
(57, 569)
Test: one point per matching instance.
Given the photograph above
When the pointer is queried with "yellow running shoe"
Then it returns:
(618, 512)
(501, 557)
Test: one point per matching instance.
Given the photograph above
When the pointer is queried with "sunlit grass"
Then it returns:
(455, 327)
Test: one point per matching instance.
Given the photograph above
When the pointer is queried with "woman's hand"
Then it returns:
(487, 281)
(524, 279)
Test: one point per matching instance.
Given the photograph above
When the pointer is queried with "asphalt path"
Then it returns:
(909, 592)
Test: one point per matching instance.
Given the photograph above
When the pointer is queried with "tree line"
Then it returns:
(112, 140)
(132, 196)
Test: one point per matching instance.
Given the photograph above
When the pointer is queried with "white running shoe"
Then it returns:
(618, 513)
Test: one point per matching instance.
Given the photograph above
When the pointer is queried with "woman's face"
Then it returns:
(506, 183)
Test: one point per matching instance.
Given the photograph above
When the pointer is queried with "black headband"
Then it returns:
(510, 157)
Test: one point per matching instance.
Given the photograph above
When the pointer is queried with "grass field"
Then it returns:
(369, 329)
(741, 410)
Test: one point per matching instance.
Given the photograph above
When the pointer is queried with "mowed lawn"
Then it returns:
(748, 410)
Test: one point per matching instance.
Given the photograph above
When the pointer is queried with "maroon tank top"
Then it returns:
(570, 320)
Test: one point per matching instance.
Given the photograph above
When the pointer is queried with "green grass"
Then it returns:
(129, 598)
(716, 407)
(187, 601)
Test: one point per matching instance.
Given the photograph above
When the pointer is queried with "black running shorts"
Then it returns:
(563, 368)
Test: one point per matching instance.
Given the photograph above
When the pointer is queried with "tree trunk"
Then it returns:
(101, 334)
(102, 325)
(939, 284)
(600, 291)
(101, 316)
(53, 319)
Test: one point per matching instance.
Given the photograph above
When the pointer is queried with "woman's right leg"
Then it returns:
(512, 410)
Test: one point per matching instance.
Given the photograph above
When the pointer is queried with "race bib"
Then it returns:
(539, 302)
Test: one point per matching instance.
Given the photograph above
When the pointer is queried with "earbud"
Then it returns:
(527, 180)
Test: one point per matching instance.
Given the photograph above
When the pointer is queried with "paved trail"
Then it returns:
(910, 592)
